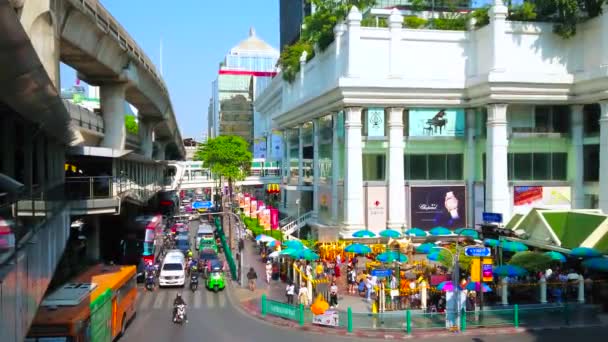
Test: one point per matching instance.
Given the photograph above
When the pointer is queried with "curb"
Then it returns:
(249, 308)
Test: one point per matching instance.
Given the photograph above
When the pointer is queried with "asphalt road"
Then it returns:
(213, 318)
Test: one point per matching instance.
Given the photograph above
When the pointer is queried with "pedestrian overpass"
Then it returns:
(185, 175)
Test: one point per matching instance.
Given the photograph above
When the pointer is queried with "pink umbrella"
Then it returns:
(445, 286)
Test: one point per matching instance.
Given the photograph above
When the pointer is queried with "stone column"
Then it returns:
(301, 155)
(335, 168)
(316, 201)
(497, 182)
(395, 24)
(354, 218)
(396, 177)
(353, 35)
(603, 190)
(578, 192)
(113, 111)
(146, 129)
(160, 151)
(470, 166)
(498, 15)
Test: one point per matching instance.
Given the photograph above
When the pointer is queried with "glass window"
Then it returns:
(591, 119)
(591, 163)
(560, 166)
(374, 167)
(437, 166)
(417, 166)
(541, 166)
(542, 119)
(522, 166)
(561, 119)
(454, 166)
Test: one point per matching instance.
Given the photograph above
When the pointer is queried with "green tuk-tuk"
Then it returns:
(216, 280)
(208, 244)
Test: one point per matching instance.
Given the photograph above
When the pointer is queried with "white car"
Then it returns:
(173, 269)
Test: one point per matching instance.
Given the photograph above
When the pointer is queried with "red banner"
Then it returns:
(274, 218)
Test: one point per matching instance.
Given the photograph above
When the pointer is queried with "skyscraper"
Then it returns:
(292, 14)
(231, 105)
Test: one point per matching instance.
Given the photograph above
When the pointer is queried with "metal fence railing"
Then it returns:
(98, 187)
(412, 320)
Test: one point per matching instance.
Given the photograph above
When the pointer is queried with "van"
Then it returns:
(173, 269)
(205, 231)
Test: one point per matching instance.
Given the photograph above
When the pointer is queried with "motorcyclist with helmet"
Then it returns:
(179, 301)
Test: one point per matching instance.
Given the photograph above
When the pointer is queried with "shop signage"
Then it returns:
(434, 206)
(381, 273)
(492, 217)
(375, 122)
(276, 145)
(329, 318)
(548, 197)
(202, 205)
(478, 252)
(439, 122)
(376, 208)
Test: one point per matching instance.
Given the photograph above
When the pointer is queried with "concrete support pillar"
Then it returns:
(286, 156)
(146, 129)
(353, 35)
(7, 145)
(504, 291)
(354, 218)
(603, 190)
(396, 177)
(470, 166)
(395, 24)
(113, 109)
(498, 15)
(577, 178)
(160, 151)
(497, 182)
(93, 238)
(543, 290)
(316, 201)
(581, 289)
(301, 155)
(335, 168)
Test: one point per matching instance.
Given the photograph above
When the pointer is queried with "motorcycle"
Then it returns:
(180, 314)
(150, 282)
(193, 281)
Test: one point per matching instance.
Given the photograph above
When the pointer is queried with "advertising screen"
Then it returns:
(546, 197)
(438, 206)
(443, 122)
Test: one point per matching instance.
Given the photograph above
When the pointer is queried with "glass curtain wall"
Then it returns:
(325, 148)
(293, 154)
(308, 151)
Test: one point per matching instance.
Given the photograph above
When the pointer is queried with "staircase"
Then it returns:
(294, 224)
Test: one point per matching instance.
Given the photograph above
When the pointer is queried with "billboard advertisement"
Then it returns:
(547, 197)
(276, 143)
(259, 148)
(438, 206)
(376, 208)
(247, 202)
(274, 218)
(375, 122)
(443, 122)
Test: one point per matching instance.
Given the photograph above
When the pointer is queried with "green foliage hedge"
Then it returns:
(131, 124)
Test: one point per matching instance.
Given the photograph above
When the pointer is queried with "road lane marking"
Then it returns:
(210, 300)
(145, 302)
(222, 299)
(160, 298)
(198, 300)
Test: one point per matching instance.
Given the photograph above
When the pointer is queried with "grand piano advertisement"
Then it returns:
(439, 122)
(438, 206)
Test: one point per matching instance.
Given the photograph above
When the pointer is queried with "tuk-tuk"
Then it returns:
(216, 280)
(208, 243)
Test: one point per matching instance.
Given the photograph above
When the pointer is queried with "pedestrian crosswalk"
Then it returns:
(162, 299)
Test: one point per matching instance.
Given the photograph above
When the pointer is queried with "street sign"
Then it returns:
(477, 251)
(492, 217)
(202, 205)
(381, 273)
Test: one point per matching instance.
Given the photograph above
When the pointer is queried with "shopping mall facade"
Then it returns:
(393, 127)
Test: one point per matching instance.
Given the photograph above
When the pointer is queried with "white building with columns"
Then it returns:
(394, 127)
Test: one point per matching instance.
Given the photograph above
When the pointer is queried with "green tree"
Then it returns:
(464, 261)
(531, 261)
(227, 156)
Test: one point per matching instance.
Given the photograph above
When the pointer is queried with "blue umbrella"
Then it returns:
(363, 233)
(416, 232)
(491, 242)
(290, 252)
(426, 248)
(307, 254)
(509, 271)
(440, 231)
(391, 256)
(264, 238)
(435, 256)
(467, 232)
(597, 264)
(357, 248)
(557, 256)
(513, 246)
(585, 252)
(390, 233)
(294, 244)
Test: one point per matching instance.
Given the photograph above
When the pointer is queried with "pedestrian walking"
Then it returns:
(303, 295)
(268, 271)
(333, 295)
(290, 291)
(252, 276)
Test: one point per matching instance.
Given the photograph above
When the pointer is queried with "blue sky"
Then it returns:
(196, 35)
